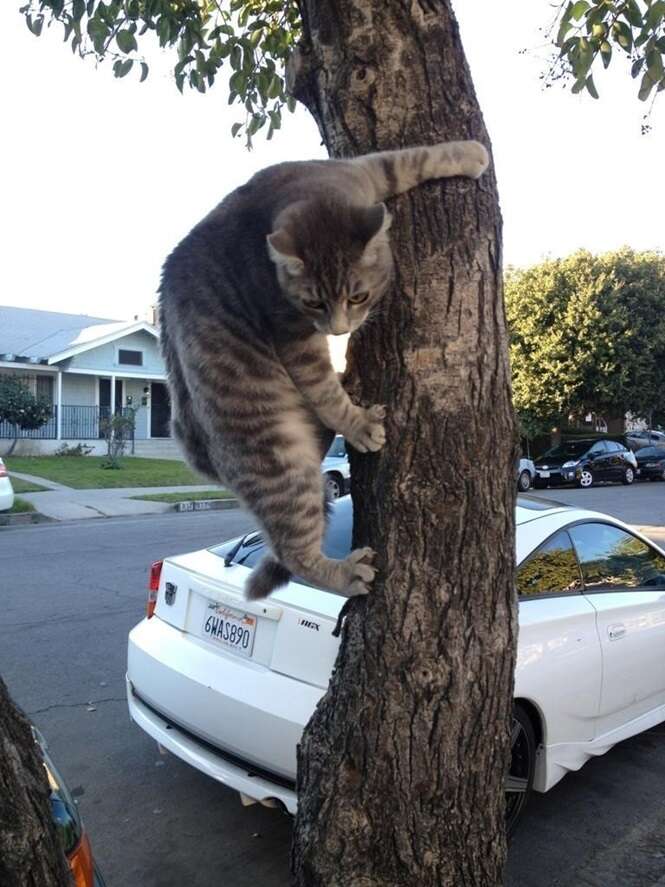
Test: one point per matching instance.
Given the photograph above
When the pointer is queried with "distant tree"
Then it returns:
(588, 335)
(21, 408)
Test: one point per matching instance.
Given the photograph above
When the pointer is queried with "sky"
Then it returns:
(100, 178)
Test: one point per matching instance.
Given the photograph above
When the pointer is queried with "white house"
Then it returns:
(87, 367)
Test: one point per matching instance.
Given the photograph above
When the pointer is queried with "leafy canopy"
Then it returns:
(588, 335)
(252, 39)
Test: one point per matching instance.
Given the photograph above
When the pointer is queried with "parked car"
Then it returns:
(336, 469)
(637, 439)
(526, 475)
(228, 684)
(584, 462)
(6, 489)
(651, 463)
(69, 824)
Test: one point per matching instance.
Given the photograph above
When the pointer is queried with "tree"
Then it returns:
(402, 766)
(21, 408)
(588, 335)
(30, 853)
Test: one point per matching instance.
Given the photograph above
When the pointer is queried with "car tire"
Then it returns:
(519, 781)
(524, 481)
(585, 480)
(628, 476)
(334, 485)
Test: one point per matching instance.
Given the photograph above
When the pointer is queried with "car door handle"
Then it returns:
(614, 632)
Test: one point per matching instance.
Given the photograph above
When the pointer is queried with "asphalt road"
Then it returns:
(70, 594)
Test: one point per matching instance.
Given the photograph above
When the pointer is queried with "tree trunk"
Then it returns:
(401, 768)
(30, 853)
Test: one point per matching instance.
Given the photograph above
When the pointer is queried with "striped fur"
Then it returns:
(246, 302)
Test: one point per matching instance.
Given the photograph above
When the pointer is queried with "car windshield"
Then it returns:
(337, 448)
(567, 450)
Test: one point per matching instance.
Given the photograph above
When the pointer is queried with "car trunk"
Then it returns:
(289, 633)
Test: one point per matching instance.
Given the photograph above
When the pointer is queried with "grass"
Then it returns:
(185, 497)
(20, 506)
(24, 486)
(86, 473)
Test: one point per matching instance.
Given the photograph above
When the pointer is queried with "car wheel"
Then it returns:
(524, 481)
(585, 480)
(628, 476)
(519, 781)
(333, 485)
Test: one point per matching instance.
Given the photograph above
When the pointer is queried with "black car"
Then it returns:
(583, 462)
(651, 463)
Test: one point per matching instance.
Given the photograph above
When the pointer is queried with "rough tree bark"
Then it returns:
(30, 853)
(401, 768)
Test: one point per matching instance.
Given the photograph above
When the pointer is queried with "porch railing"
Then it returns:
(77, 423)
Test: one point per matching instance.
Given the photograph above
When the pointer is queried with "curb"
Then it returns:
(206, 505)
(27, 517)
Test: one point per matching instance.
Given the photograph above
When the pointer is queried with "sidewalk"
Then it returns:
(66, 503)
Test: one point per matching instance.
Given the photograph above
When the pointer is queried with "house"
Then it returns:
(88, 368)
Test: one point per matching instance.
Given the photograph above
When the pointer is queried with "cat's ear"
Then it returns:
(283, 253)
(378, 221)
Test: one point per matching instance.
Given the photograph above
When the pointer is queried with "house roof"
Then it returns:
(51, 336)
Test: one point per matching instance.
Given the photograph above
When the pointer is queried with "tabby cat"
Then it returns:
(246, 301)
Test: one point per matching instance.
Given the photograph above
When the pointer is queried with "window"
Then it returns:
(611, 558)
(552, 569)
(614, 447)
(44, 388)
(132, 358)
(598, 448)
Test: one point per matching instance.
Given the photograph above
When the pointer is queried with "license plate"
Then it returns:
(650, 465)
(544, 473)
(230, 628)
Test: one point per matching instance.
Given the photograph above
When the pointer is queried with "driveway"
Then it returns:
(72, 591)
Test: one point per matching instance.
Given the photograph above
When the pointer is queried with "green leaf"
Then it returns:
(579, 9)
(631, 12)
(275, 88)
(120, 68)
(655, 15)
(579, 85)
(591, 87)
(646, 86)
(606, 53)
(291, 103)
(78, 8)
(655, 65)
(235, 129)
(144, 72)
(636, 67)
(126, 41)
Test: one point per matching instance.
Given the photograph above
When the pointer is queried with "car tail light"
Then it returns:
(153, 587)
(80, 862)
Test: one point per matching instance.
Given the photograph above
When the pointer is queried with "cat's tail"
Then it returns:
(268, 575)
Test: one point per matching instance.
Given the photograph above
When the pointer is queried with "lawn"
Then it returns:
(86, 473)
(24, 486)
(185, 497)
(20, 506)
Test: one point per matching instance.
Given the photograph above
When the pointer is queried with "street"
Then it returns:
(71, 592)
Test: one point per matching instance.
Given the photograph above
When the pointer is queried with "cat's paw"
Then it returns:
(360, 572)
(368, 434)
(476, 159)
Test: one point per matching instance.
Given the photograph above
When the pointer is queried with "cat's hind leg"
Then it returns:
(290, 505)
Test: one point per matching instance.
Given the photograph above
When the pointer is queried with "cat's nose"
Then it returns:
(339, 324)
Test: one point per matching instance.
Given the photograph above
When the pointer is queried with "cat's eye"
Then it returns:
(314, 304)
(359, 298)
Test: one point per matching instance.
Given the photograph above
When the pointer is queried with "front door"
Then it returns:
(160, 410)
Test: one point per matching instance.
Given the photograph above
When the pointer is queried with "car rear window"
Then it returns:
(337, 542)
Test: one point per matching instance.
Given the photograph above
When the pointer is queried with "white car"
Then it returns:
(336, 469)
(6, 489)
(526, 475)
(228, 685)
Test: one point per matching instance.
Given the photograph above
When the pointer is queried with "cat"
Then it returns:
(247, 300)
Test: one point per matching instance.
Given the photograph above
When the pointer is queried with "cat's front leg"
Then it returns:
(308, 363)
